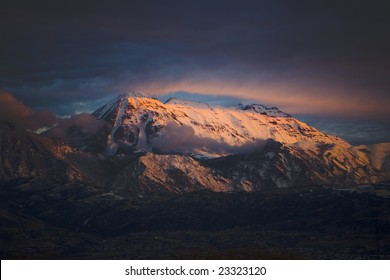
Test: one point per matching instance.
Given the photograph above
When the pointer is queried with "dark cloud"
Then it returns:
(182, 138)
(73, 50)
(85, 123)
(81, 131)
(14, 111)
(60, 54)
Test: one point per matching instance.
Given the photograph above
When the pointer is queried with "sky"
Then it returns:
(325, 62)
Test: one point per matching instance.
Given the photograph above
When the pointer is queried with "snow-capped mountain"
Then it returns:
(265, 146)
(140, 145)
(142, 123)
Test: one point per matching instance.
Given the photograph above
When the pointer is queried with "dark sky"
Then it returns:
(327, 59)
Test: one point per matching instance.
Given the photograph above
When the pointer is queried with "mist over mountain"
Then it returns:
(23, 116)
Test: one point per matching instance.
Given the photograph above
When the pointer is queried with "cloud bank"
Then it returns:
(84, 123)
(16, 112)
(182, 139)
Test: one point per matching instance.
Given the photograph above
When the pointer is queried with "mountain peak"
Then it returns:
(122, 99)
(133, 94)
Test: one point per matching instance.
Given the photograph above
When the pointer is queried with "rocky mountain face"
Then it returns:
(280, 165)
(146, 146)
(378, 155)
(24, 154)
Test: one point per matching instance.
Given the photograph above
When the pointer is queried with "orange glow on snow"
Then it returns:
(291, 99)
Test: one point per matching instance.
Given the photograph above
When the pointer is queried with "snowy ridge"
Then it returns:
(264, 110)
(138, 121)
(107, 109)
(103, 111)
